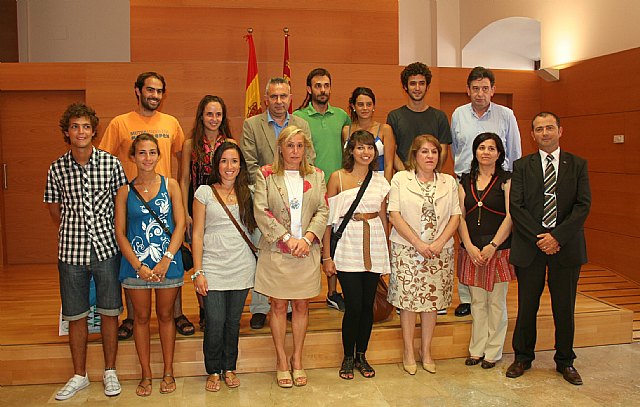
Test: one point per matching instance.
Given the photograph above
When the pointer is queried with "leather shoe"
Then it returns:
(570, 374)
(517, 369)
(463, 310)
(257, 320)
(471, 361)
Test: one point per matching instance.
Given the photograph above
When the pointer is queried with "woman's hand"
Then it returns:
(188, 226)
(162, 267)
(329, 267)
(147, 274)
(202, 287)
(424, 249)
(298, 247)
(476, 256)
(487, 252)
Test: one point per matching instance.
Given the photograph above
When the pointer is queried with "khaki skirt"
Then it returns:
(283, 276)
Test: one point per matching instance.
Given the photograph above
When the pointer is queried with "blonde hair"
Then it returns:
(285, 135)
(415, 146)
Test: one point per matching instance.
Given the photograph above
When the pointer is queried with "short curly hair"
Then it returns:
(416, 68)
(76, 110)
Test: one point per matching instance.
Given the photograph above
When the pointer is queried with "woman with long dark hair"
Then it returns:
(361, 254)
(210, 129)
(362, 104)
(224, 263)
(485, 240)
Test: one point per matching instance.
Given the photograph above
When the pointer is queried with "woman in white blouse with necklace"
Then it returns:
(291, 211)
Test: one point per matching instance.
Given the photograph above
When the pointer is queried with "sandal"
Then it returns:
(144, 390)
(202, 322)
(167, 386)
(213, 382)
(283, 378)
(363, 366)
(125, 331)
(184, 326)
(346, 370)
(472, 361)
(299, 375)
(231, 379)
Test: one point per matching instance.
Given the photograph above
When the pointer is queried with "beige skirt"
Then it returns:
(286, 277)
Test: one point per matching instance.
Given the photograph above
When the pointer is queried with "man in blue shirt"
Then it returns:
(467, 121)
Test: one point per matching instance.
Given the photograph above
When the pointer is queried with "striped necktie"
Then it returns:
(550, 206)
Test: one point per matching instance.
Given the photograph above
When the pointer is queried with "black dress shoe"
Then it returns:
(471, 361)
(517, 369)
(570, 374)
(463, 309)
(257, 320)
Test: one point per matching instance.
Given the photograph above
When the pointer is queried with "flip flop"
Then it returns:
(213, 383)
(167, 386)
(144, 390)
(231, 379)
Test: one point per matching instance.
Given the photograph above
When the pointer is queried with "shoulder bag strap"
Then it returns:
(151, 211)
(254, 249)
(353, 206)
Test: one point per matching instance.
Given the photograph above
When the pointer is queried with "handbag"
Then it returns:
(187, 256)
(337, 235)
(381, 307)
(253, 248)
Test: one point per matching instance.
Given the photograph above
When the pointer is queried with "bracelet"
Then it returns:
(168, 254)
(196, 274)
(493, 244)
(306, 240)
(327, 259)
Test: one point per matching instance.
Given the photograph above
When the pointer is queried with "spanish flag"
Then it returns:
(252, 94)
(286, 67)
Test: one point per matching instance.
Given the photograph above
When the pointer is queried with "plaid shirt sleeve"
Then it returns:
(52, 190)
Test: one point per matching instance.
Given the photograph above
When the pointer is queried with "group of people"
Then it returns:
(310, 192)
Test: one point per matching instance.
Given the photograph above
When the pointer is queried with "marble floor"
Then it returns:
(608, 372)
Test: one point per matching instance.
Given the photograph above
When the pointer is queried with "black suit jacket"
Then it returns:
(573, 197)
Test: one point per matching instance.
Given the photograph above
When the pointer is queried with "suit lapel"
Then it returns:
(269, 133)
(563, 167)
(535, 168)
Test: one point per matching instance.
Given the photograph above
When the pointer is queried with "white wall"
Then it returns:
(415, 32)
(74, 30)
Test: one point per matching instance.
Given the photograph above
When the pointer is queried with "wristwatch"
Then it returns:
(168, 254)
(493, 244)
(286, 237)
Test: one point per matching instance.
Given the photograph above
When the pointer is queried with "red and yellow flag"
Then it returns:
(286, 67)
(252, 105)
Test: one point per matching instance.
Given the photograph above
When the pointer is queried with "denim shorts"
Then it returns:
(74, 287)
(133, 283)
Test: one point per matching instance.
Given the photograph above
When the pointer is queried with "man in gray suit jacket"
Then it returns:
(258, 145)
(549, 203)
(260, 132)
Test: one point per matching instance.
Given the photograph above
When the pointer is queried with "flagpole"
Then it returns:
(286, 66)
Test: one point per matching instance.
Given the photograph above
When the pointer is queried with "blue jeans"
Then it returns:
(74, 287)
(223, 310)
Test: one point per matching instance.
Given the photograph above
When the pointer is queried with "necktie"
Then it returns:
(550, 205)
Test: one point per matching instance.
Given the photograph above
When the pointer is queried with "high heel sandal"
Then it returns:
(283, 378)
(299, 375)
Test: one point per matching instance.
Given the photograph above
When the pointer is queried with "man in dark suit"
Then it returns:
(549, 203)
(258, 145)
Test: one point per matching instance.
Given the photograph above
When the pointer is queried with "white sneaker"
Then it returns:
(74, 385)
(111, 383)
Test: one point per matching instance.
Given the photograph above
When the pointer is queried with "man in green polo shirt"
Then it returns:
(326, 123)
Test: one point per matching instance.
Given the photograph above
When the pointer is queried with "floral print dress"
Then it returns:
(418, 284)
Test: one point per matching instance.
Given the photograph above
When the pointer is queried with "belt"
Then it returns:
(366, 235)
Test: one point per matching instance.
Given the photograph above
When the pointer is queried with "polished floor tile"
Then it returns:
(609, 373)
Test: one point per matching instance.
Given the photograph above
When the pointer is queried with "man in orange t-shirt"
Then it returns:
(149, 89)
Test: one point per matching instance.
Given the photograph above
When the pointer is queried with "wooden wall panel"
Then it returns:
(331, 31)
(597, 99)
(8, 31)
(108, 87)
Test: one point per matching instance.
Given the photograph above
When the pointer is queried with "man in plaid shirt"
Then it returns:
(81, 186)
